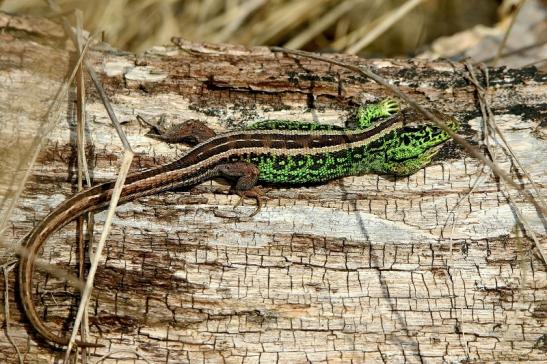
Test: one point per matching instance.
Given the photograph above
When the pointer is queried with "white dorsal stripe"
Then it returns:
(309, 133)
(184, 172)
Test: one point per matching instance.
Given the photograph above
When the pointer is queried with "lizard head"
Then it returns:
(411, 147)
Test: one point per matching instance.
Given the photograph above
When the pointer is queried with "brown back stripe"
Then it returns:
(275, 139)
(291, 140)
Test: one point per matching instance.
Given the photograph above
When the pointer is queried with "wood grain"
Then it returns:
(359, 269)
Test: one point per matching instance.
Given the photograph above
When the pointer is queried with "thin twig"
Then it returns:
(136, 352)
(506, 35)
(82, 169)
(543, 60)
(319, 25)
(43, 131)
(118, 187)
(493, 129)
(385, 22)
(512, 52)
(6, 268)
(102, 94)
(126, 162)
(474, 152)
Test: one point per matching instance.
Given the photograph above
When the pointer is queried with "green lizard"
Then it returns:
(278, 152)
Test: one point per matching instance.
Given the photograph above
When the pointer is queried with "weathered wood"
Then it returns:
(359, 269)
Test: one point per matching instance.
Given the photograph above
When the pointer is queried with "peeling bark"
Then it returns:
(358, 269)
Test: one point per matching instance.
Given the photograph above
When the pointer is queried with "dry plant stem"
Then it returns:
(321, 24)
(120, 181)
(71, 279)
(43, 131)
(108, 106)
(521, 253)
(535, 63)
(506, 35)
(283, 18)
(384, 23)
(343, 41)
(128, 156)
(137, 353)
(6, 268)
(68, 30)
(474, 152)
(515, 51)
(234, 17)
(491, 126)
(48, 268)
(494, 126)
(452, 211)
(82, 169)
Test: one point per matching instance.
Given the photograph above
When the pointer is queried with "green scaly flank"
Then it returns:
(401, 152)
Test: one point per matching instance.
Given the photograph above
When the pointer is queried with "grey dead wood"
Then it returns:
(361, 268)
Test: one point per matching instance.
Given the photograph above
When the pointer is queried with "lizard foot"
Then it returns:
(253, 193)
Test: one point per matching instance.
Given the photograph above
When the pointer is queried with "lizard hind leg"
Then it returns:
(246, 175)
(190, 132)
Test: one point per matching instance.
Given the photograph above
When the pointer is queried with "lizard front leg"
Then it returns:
(193, 132)
(246, 176)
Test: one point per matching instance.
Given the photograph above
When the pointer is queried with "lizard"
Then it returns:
(385, 140)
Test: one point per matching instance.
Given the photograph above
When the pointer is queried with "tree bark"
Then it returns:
(427, 268)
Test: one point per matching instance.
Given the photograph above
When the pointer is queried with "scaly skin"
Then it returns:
(279, 152)
(400, 153)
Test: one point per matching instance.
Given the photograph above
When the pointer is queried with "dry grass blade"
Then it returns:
(136, 352)
(321, 24)
(493, 129)
(515, 51)
(369, 22)
(474, 152)
(124, 170)
(96, 82)
(499, 133)
(382, 25)
(6, 268)
(45, 128)
(506, 35)
(82, 170)
(51, 118)
(224, 26)
(535, 63)
(283, 19)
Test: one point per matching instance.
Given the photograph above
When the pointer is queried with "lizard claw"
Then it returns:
(252, 193)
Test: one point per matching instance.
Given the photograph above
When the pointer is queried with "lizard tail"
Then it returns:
(77, 205)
